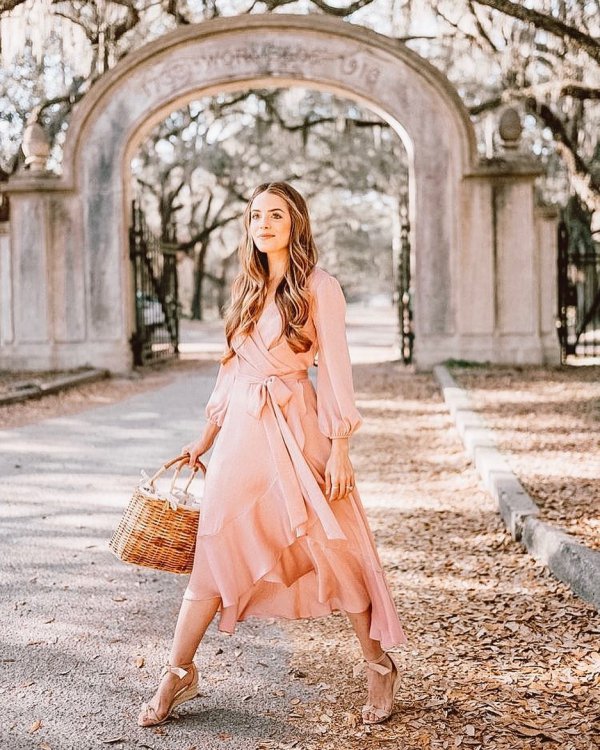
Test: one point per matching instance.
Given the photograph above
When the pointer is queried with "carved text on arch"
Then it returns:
(269, 58)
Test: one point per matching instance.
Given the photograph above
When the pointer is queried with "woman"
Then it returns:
(282, 532)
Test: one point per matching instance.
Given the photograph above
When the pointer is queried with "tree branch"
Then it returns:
(586, 182)
(555, 88)
(205, 232)
(332, 10)
(549, 23)
(480, 28)
(7, 5)
(456, 26)
(173, 10)
(129, 22)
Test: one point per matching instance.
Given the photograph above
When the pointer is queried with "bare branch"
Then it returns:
(587, 181)
(480, 28)
(172, 8)
(549, 23)
(203, 234)
(474, 39)
(488, 104)
(130, 21)
(555, 88)
(7, 5)
(71, 98)
(330, 10)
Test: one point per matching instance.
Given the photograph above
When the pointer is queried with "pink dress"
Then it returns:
(270, 543)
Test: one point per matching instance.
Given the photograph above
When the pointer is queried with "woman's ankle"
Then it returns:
(378, 659)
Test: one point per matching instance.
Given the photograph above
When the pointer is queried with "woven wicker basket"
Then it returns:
(160, 531)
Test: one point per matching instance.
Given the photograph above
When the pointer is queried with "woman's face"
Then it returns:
(270, 223)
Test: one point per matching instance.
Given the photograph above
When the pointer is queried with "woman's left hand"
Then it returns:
(339, 474)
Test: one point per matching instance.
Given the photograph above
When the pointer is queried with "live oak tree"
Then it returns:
(543, 56)
(545, 59)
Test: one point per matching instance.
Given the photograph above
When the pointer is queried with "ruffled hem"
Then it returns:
(259, 569)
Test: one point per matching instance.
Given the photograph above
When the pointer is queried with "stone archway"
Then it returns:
(69, 234)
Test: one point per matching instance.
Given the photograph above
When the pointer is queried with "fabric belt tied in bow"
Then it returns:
(296, 477)
(273, 385)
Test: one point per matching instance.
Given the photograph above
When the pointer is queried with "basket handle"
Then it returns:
(183, 459)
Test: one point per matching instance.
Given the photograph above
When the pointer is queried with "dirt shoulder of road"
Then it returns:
(80, 397)
(545, 421)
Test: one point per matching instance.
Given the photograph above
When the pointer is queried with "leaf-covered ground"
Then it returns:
(547, 422)
(502, 655)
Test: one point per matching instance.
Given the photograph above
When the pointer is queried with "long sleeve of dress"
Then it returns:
(216, 406)
(336, 408)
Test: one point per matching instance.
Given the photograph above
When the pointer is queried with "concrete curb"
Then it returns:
(570, 561)
(37, 390)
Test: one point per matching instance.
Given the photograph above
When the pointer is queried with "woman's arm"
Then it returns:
(203, 444)
(214, 411)
(338, 416)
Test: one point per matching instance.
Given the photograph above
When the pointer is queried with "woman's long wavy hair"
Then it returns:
(249, 288)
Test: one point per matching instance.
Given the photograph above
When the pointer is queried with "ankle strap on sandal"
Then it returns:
(179, 669)
(374, 665)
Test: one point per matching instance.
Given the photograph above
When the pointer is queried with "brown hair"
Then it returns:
(249, 288)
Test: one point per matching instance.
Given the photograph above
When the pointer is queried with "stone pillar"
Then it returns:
(505, 306)
(27, 274)
(475, 272)
(44, 321)
(517, 284)
(7, 332)
(500, 294)
(53, 309)
(546, 224)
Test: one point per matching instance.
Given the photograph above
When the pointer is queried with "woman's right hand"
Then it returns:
(195, 450)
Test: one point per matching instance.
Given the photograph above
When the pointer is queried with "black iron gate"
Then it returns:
(154, 267)
(578, 294)
(404, 290)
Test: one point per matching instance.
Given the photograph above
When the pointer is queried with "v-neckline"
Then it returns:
(275, 341)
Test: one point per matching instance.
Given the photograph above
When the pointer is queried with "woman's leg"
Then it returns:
(193, 620)
(379, 685)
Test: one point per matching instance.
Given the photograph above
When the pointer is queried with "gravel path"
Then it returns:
(83, 635)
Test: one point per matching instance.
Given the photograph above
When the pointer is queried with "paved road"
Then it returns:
(75, 618)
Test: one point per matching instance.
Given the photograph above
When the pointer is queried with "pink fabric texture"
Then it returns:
(270, 543)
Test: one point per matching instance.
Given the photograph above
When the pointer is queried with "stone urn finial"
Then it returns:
(35, 145)
(510, 128)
